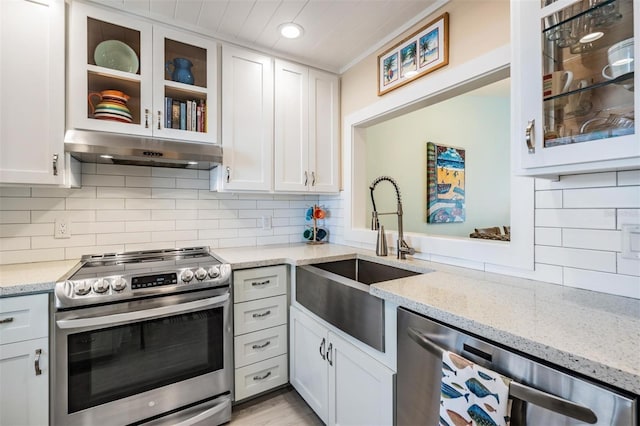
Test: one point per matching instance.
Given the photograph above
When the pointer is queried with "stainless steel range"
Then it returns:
(143, 338)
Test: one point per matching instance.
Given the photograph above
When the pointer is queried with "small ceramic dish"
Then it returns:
(116, 55)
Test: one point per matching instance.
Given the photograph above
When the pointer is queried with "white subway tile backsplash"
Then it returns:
(628, 217)
(279, 239)
(178, 194)
(592, 239)
(237, 223)
(616, 197)
(102, 180)
(159, 236)
(549, 199)
(629, 177)
(26, 230)
(577, 258)
(14, 216)
(192, 184)
(174, 214)
(88, 169)
(217, 214)
(94, 204)
(74, 241)
(12, 203)
(628, 266)
(14, 243)
(78, 252)
(123, 238)
(14, 192)
(84, 192)
(96, 227)
(208, 195)
(621, 285)
(197, 205)
(114, 169)
(150, 204)
(197, 224)
(210, 234)
(174, 173)
(273, 204)
(243, 214)
(122, 192)
(155, 225)
(122, 215)
(548, 236)
(255, 232)
(238, 204)
(41, 216)
(237, 242)
(576, 218)
(23, 256)
(149, 182)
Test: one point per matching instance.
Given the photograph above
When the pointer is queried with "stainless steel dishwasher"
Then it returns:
(542, 395)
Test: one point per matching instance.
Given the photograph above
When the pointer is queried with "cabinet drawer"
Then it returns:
(258, 283)
(260, 345)
(259, 314)
(261, 376)
(24, 318)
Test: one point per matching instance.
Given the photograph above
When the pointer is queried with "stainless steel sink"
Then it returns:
(338, 292)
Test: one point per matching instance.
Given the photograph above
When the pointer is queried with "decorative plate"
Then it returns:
(116, 55)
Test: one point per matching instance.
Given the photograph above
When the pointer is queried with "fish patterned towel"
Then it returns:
(471, 395)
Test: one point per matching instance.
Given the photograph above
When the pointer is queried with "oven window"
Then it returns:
(113, 363)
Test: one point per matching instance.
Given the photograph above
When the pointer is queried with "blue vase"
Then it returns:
(181, 70)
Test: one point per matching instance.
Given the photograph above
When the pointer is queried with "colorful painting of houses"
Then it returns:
(445, 184)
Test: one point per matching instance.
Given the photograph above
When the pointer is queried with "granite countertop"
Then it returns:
(595, 334)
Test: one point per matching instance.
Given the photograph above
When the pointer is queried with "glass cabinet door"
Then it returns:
(588, 72)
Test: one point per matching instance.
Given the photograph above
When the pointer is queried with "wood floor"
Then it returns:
(283, 407)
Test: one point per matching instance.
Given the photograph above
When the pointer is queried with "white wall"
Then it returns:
(397, 148)
(123, 208)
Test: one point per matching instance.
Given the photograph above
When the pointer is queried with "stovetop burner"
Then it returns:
(114, 277)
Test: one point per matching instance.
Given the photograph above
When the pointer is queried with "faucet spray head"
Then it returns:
(374, 221)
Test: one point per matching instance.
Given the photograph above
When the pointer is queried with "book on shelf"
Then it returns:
(175, 117)
(188, 127)
(168, 111)
(183, 116)
(194, 114)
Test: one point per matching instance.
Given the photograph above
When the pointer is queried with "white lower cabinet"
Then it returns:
(341, 383)
(260, 330)
(24, 366)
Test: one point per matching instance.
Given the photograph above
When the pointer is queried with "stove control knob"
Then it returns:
(201, 274)
(119, 284)
(82, 287)
(101, 286)
(187, 275)
(214, 271)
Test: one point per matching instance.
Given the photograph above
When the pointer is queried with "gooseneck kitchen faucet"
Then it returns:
(401, 245)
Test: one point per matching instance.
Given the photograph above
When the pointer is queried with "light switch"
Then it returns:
(631, 241)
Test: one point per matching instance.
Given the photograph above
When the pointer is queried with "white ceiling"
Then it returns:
(337, 33)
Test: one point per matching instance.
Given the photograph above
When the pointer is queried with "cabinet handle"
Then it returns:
(36, 364)
(313, 178)
(146, 118)
(55, 164)
(257, 284)
(262, 377)
(329, 349)
(6, 320)
(306, 178)
(159, 119)
(262, 346)
(529, 137)
(322, 349)
(264, 314)
(228, 173)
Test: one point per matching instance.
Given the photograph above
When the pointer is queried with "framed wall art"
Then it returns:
(445, 184)
(422, 52)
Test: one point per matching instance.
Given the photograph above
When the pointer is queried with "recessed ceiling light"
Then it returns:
(192, 163)
(591, 37)
(106, 156)
(290, 30)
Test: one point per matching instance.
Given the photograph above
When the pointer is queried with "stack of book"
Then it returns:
(185, 115)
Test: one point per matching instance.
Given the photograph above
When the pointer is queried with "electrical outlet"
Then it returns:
(62, 228)
(266, 222)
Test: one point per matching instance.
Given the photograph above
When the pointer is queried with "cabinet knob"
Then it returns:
(322, 354)
(228, 173)
(329, 355)
(313, 178)
(306, 178)
(36, 363)
(530, 137)
(55, 164)
(159, 119)
(146, 118)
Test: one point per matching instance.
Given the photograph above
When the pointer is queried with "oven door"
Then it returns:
(122, 363)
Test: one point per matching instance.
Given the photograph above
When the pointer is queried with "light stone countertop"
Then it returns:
(594, 334)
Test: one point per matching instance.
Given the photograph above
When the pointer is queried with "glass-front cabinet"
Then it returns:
(573, 75)
(127, 75)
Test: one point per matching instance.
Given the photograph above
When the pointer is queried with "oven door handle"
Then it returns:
(143, 314)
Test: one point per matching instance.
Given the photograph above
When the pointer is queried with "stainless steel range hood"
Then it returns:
(113, 148)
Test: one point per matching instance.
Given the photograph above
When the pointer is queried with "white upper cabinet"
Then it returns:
(32, 85)
(129, 76)
(573, 79)
(306, 129)
(247, 121)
